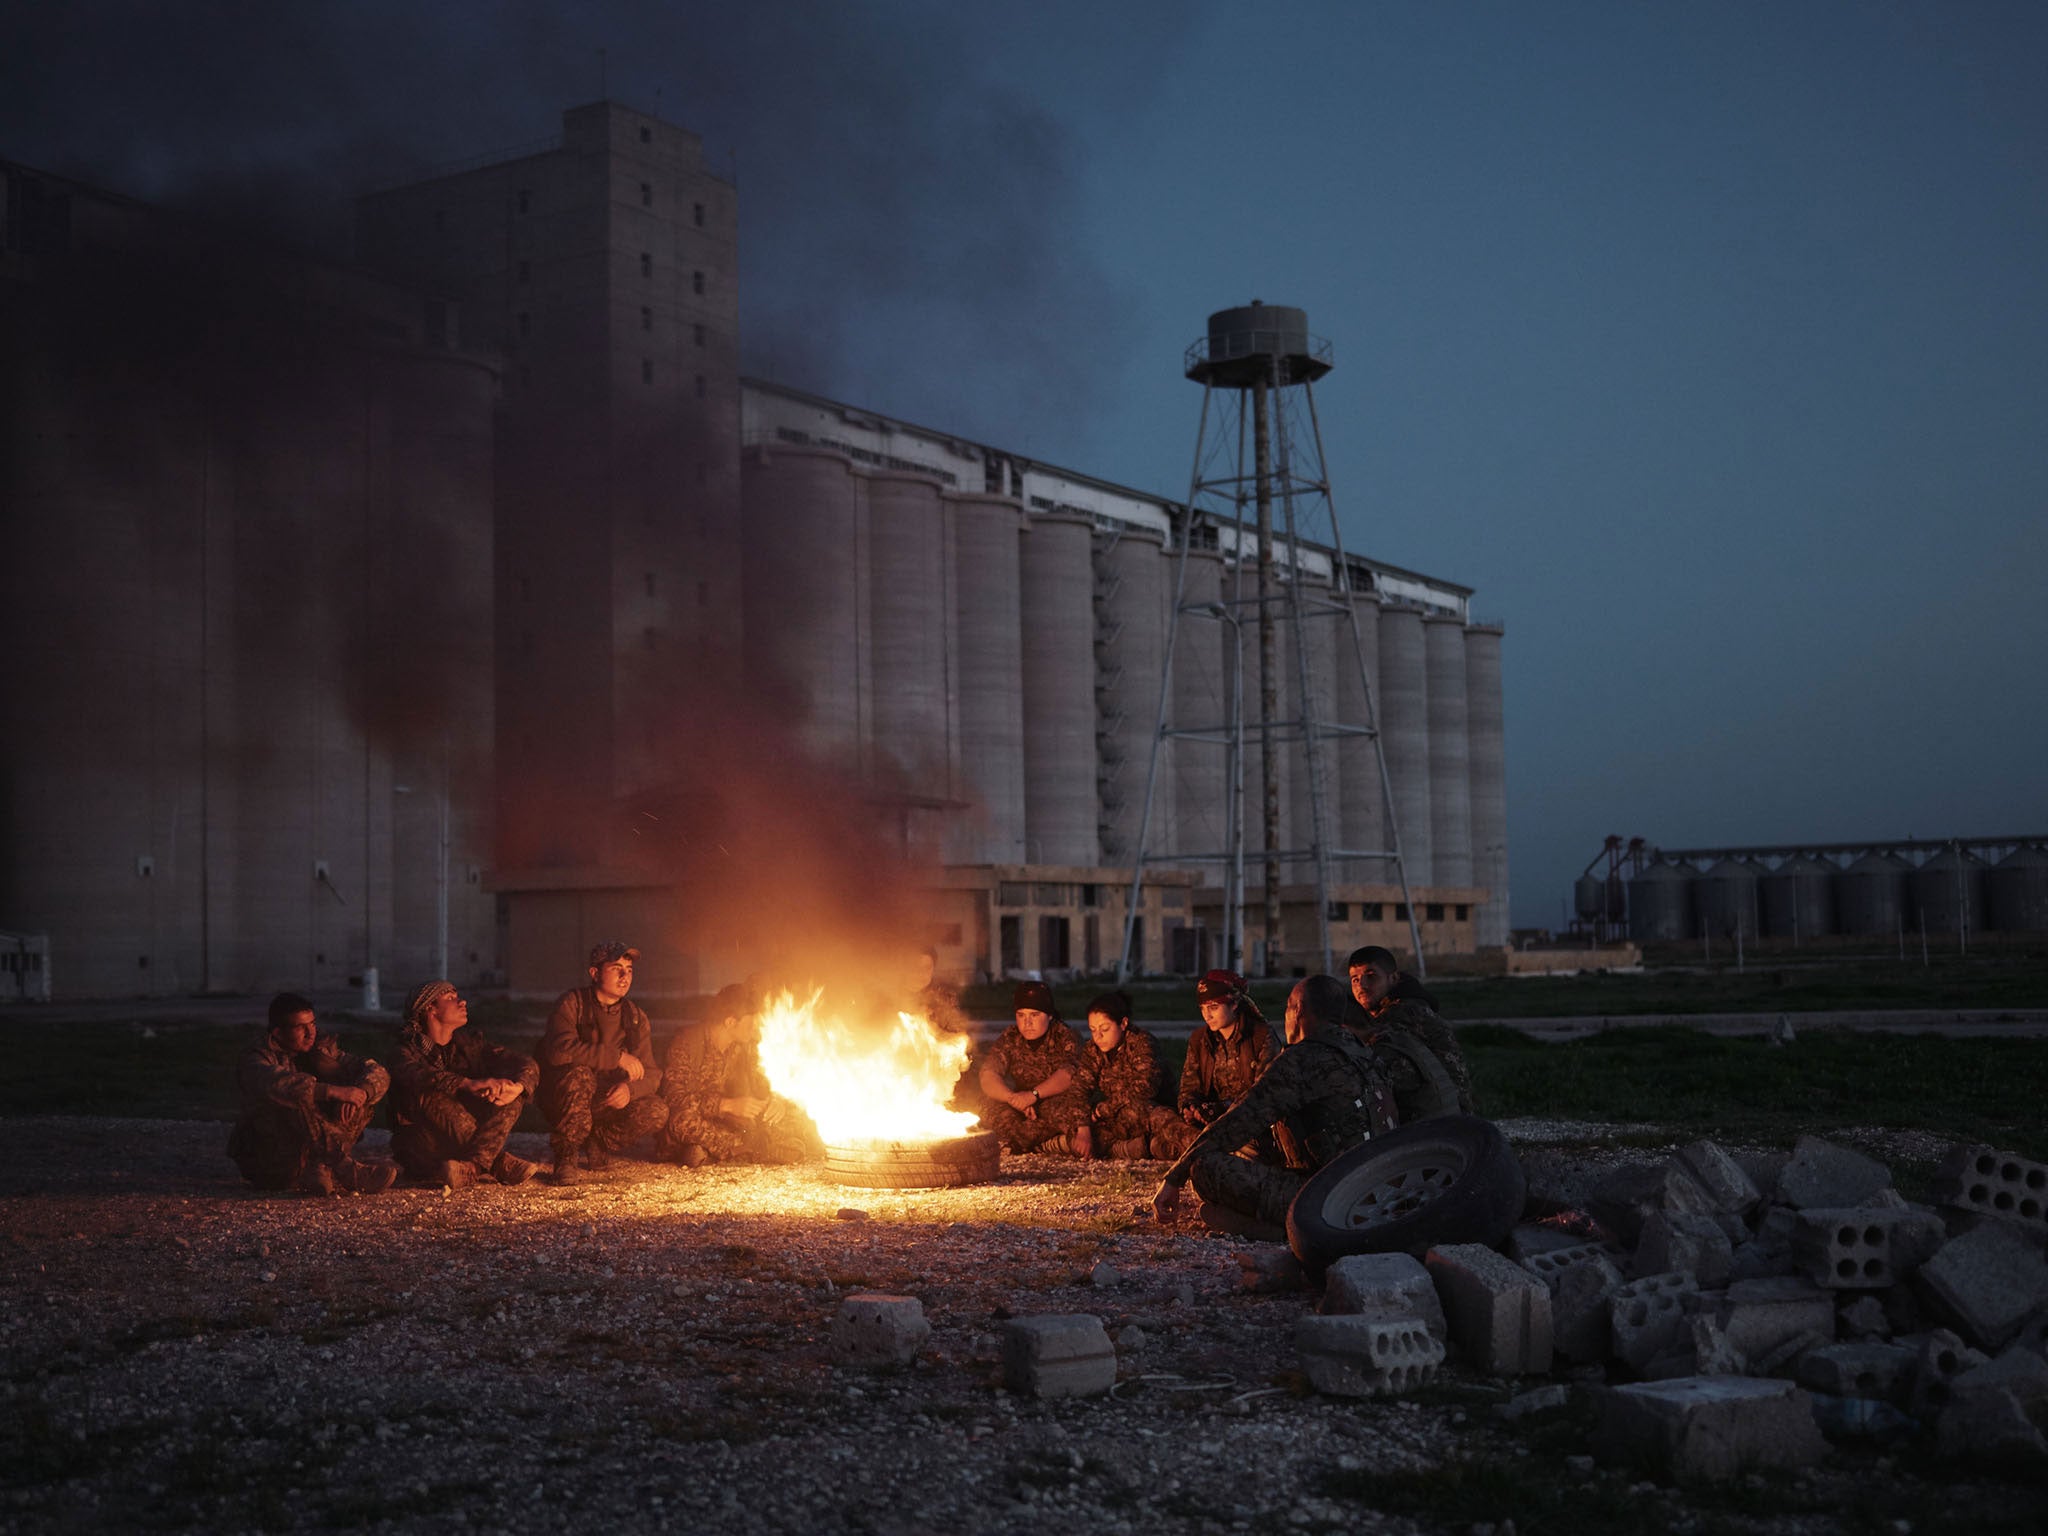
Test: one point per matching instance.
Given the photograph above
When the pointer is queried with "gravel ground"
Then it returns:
(648, 1350)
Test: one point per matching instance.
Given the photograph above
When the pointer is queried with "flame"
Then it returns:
(863, 1083)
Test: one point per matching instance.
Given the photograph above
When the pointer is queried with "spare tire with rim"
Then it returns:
(1451, 1179)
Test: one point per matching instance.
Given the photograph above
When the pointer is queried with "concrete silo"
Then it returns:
(910, 624)
(987, 534)
(1871, 895)
(1725, 898)
(1799, 899)
(1948, 892)
(1450, 755)
(1660, 903)
(2017, 891)
(1404, 734)
(803, 578)
(1486, 736)
(1058, 628)
(1136, 586)
(1318, 636)
(1361, 794)
(1203, 658)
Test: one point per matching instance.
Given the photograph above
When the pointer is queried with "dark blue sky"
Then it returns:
(1709, 343)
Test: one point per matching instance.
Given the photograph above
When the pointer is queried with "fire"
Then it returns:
(864, 1082)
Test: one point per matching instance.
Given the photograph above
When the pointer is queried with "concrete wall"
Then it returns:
(1489, 781)
(1404, 733)
(1135, 580)
(988, 584)
(1058, 626)
(1450, 757)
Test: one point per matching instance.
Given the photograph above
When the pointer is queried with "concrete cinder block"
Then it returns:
(1859, 1370)
(1649, 1316)
(1367, 1282)
(1498, 1313)
(1688, 1242)
(1823, 1174)
(1847, 1248)
(872, 1329)
(1725, 1181)
(1939, 1357)
(1992, 1412)
(1703, 1429)
(1532, 1238)
(1985, 1283)
(1061, 1355)
(1550, 1267)
(1983, 1179)
(1367, 1354)
(1760, 1316)
(1863, 1318)
(1582, 1309)
(1712, 1352)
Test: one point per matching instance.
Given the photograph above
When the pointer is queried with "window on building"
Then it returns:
(1012, 893)
(1433, 912)
(1173, 898)
(525, 201)
(646, 370)
(1400, 911)
(1464, 913)
(697, 214)
(646, 194)
(1340, 911)
(1052, 943)
(1370, 911)
(646, 264)
(1137, 946)
(526, 272)
(697, 333)
(1052, 894)
(646, 318)
(696, 282)
(1091, 895)
(1012, 930)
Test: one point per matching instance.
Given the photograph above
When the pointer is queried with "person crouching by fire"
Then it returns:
(1028, 1079)
(1225, 1058)
(455, 1096)
(720, 1106)
(1120, 1074)
(305, 1104)
(598, 1079)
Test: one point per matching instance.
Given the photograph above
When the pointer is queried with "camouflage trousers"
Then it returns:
(275, 1143)
(1053, 1118)
(570, 1103)
(452, 1127)
(1247, 1187)
(730, 1139)
(1155, 1125)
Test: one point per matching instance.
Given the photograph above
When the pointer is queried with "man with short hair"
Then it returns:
(721, 1108)
(455, 1096)
(1417, 1049)
(598, 1079)
(1324, 1088)
(305, 1104)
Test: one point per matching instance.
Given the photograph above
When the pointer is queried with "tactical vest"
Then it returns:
(1337, 1121)
(1438, 1094)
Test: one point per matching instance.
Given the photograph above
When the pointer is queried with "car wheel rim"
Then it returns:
(1390, 1195)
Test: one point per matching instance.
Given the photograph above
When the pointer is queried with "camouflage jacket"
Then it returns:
(700, 1072)
(1325, 1089)
(269, 1074)
(1130, 1074)
(581, 1033)
(422, 1067)
(1219, 1071)
(940, 1004)
(1411, 1011)
(1024, 1064)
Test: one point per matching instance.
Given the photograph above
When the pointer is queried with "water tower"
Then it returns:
(1308, 716)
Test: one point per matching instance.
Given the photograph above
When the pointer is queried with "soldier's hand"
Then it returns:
(1166, 1204)
(341, 1095)
(499, 1090)
(619, 1097)
(630, 1065)
(745, 1109)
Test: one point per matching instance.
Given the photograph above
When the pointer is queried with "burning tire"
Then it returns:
(1453, 1179)
(915, 1164)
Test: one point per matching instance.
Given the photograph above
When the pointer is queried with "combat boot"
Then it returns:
(565, 1163)
(457, 1174)
(1130, 1150)
(365, 1178)
(596, 1155)
(318, 1179)
(512, 1170)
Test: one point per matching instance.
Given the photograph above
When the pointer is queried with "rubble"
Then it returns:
(1364, 1282)
(1823, 1174)
(1709, 1429)
(1058, 1356)
(1649, 1317)
(1582, 1309)
(1497, 1311)
(1983, 1179)
(1859, 1370)
(1687, 1241)
(872, 1329)
(1992, 1412)
(1986, 1282)
(1761, 1316)
(1367, 1354)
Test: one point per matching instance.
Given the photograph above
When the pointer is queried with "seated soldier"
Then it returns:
(305, 1103)
(720, 1106)
(1028, 1080)
(1325, 1089)
(1121, 1076)
(1225, 1057)
(1417, 1050)
(598, 1079)
(938, 1002)
(455, 1096)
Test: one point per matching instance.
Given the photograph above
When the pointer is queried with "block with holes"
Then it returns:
(1980, 1178)
(1367, 1354)
(1649, 1316)
(1846, 1248)
(1550, 1267)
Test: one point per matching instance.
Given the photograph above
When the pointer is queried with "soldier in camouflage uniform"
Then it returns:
(1324, 1088)
(1028, 1078)
(1225, 1057)
(720, 1107)
(598, 1080)
(1120, 1074)
(939, 1003)
(305, 1104)
(455, 1096)
(1416, 1048)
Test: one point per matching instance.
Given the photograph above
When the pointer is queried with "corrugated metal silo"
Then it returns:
(1201, 698)
(1948, 892)
(1725, 898)
(1799, 899)
(909, 629)
(1870, 895)
(1358, 769)
(1058, 625)
(1589, 898)
(803, 570)
(1404, 733)
(1660, 902)
(1137, 594)
(1488, 743)
(1450, 753)
(1319, 633)
(987, 534)
(2017, 890)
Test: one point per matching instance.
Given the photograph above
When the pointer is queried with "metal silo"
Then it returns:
(1058, 626)
(987, 533)
(909, 620)
(1404, 733)
(2017, 889)
(1201, 695)
(802, 571)
(1486, 734)
(1870, 895)
(1799, 898)
(1134, 582)
(1450, 753)
(1660, 902)
(1948, 892)
(1589, 898)
(1358, 765)
(1725, 898)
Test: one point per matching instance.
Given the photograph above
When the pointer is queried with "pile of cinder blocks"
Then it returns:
(1738, 1308)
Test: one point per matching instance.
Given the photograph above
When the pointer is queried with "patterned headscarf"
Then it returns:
(421, 1003)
